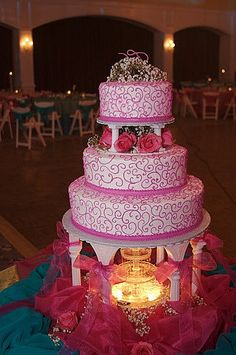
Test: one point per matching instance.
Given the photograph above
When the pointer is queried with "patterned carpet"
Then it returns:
(8, 254)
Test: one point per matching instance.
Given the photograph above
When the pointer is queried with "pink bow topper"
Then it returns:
(132, 53)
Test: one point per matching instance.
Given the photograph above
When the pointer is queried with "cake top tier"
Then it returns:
(136, 93)
(134, 68)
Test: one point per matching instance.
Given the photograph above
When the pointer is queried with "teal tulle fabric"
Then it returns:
(226, 344)
(24, 331)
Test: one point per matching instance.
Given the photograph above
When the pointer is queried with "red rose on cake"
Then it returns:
(125, 142)
(142, 348)
(67, 320)
(167, 138)
(106, 138)
(149, 143)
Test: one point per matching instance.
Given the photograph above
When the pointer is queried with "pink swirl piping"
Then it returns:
(123, 192)
(136, 237)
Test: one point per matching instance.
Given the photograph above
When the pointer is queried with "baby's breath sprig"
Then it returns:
(135, 69)
(93, 141)
(138, 131)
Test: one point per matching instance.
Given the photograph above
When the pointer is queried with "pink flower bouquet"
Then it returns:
(149, 143)
(125, 142)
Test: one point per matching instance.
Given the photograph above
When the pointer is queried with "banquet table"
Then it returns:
(66, 106)
(85, 106)
(196, 95)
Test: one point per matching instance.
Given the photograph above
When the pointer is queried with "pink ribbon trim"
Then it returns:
(133, 192)
(136, 119)
(62, 244)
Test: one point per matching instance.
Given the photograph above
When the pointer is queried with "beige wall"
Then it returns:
(165, 16)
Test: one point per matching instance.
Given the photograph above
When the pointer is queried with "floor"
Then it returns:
(34, 184)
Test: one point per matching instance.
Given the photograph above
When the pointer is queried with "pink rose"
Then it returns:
(106, 138)
(149, 143)
(67, 320)
(142, 348)
(125, 142)
(167, 138)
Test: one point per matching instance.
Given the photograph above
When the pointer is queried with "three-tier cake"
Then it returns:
(135, 184)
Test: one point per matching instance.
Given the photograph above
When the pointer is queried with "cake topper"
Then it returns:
(134, 68)
(132, 53)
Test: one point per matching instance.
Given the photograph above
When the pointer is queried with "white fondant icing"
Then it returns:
(151, 101)
(134, 215)
(137, 172)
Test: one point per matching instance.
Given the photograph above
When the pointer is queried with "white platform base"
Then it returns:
(105, 249)
(79, 234)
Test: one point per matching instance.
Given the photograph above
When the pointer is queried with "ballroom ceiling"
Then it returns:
(226, 5)
(207, 4)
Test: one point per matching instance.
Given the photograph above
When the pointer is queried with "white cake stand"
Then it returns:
(105, 249)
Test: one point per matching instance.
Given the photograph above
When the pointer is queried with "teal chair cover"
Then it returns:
(85, 111)
(21, 114)
(44, 113)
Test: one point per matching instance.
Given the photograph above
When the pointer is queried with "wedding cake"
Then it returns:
(135, 184)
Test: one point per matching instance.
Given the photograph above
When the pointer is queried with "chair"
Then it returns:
(210, 105)
(187, 105)
(25, 124)
(49, 118)
(5, 119)
(76, 122)
(231, 106)
(84, 128)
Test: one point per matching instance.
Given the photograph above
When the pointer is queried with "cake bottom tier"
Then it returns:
(133, 216)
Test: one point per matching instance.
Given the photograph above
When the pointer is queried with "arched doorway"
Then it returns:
(80, 51)
(197, 54)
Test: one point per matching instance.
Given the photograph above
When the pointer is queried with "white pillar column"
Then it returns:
(115, 136)
(160, 255)
(197, 245)
(74, 251)
(105, 254)
(26, 62)
(168, 55)
(176, 252)
(175, 286)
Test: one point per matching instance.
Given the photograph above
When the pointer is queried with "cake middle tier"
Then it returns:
(140, 216)
(140, 172)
